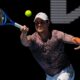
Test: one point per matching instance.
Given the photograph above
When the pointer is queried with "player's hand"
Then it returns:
(24, 29)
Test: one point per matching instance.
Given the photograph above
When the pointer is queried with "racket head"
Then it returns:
(4, 19)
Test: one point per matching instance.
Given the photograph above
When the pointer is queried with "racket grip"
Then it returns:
(17, 25)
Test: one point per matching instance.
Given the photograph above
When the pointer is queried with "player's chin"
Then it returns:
(39, 30)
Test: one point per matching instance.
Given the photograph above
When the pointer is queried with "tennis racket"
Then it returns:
(5, 20)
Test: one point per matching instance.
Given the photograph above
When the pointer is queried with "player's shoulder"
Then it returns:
(56, 31)
(34, 35)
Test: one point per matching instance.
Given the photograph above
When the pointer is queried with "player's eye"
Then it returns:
(41, 22)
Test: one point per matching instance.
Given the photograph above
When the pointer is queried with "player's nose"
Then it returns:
(39, 24)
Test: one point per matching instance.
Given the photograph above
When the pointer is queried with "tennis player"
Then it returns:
(47, 48)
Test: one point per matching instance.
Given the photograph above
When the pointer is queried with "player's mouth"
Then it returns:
(40, 29)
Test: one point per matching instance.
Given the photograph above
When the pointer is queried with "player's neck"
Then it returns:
(44, 35)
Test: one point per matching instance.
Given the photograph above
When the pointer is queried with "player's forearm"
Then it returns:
(25, 39)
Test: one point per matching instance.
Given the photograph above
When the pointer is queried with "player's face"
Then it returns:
(41, 25)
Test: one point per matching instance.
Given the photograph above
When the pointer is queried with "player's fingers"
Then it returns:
(24, 29)
(21, 28)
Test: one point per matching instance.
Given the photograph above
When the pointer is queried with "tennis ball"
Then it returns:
(28, 13)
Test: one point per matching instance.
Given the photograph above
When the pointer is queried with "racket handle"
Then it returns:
(17, 25)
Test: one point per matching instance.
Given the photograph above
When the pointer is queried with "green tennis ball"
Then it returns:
(28, 13)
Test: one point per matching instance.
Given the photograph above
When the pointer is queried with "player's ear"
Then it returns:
(48, 22)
